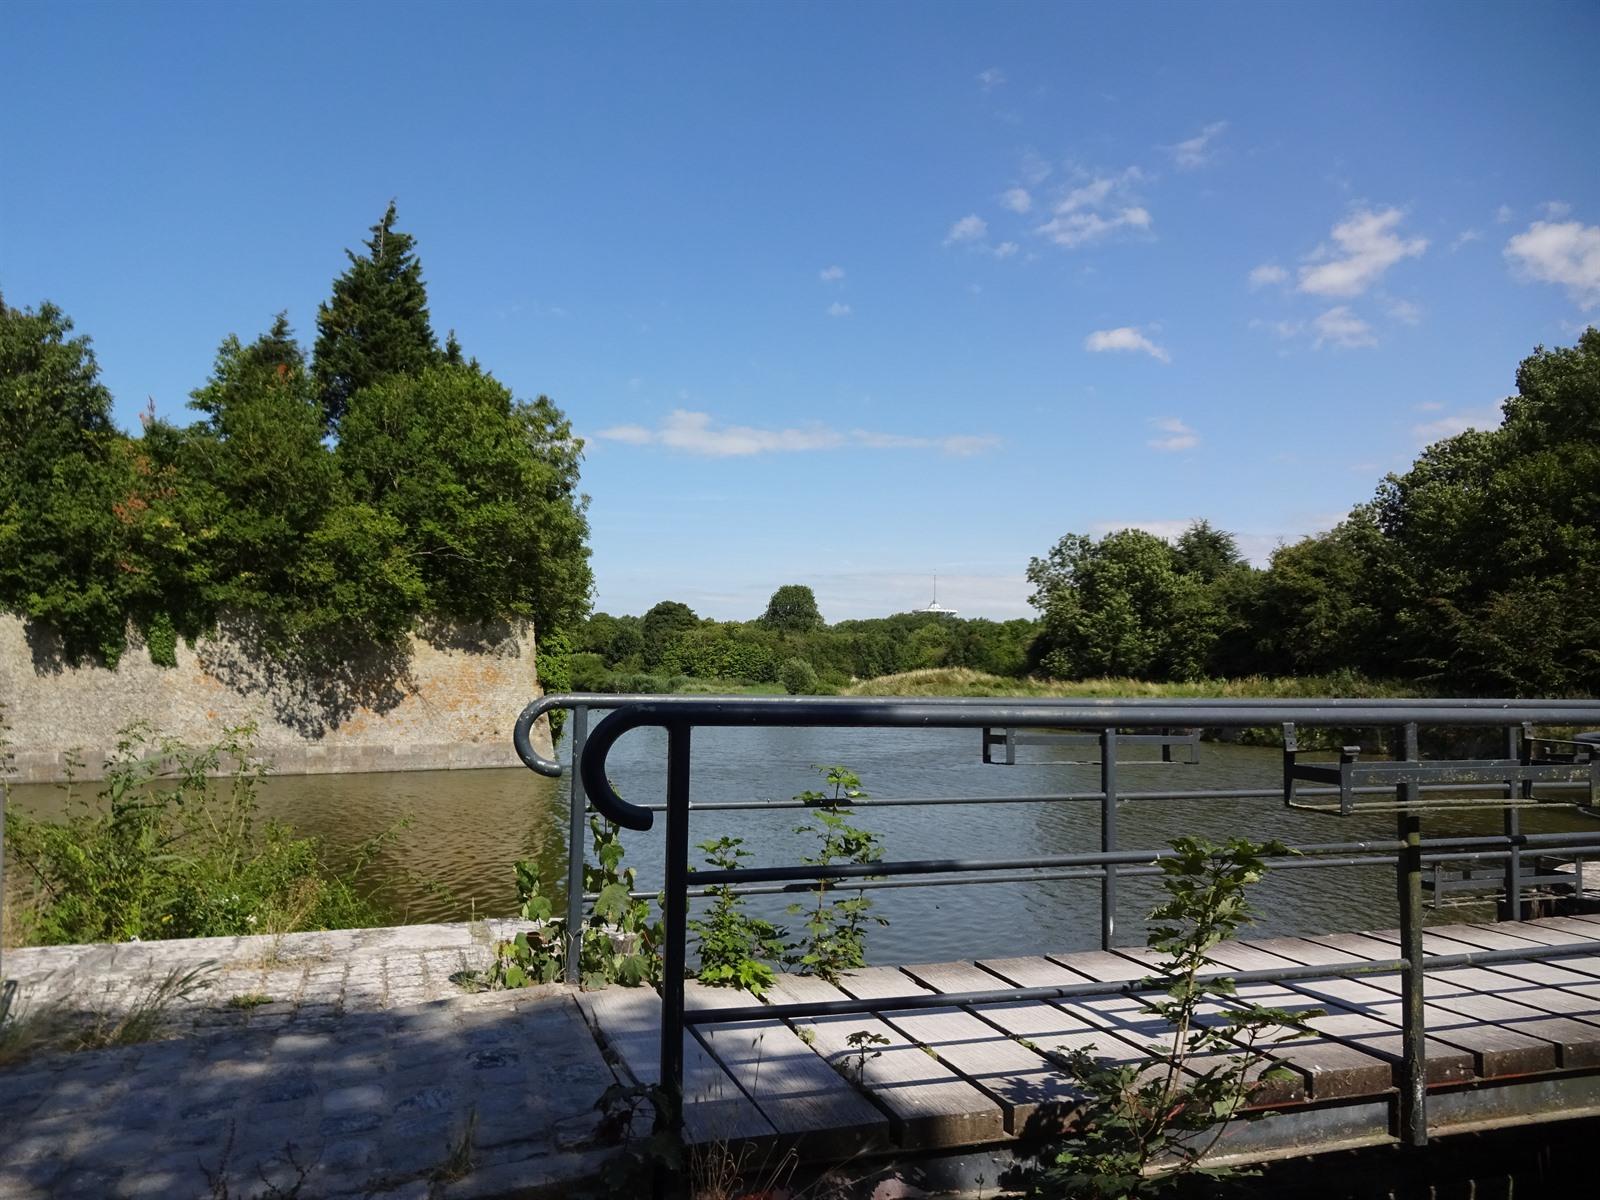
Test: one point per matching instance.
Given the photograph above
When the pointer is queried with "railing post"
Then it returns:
(1408, 881)
(577, 837)
(1108, 836)
(676, 917)
(1512, 909)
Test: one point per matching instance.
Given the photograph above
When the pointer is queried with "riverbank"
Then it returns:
(960, 681)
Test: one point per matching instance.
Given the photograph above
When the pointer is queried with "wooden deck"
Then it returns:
(1515, 1042)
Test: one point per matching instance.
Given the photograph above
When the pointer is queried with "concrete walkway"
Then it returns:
(312, 1065)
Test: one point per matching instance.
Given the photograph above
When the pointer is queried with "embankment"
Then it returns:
(445, 699)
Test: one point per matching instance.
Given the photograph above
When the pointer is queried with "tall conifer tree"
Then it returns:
(376, 322)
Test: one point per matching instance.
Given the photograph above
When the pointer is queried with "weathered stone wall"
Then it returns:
(447, 699)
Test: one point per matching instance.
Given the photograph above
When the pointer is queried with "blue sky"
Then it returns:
(849, 294)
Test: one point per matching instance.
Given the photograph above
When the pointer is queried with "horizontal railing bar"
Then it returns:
(940, 866)
(1088, 797)
(1041, 876)
(1063, 991)
(1433, 962)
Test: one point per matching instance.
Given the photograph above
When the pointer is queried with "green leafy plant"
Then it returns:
(167, 849)
(1148, 1124)
(855, 1063)
(620, 943)
(834, 933)
(735, 948)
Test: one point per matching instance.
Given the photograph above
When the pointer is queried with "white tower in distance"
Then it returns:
(935, 606)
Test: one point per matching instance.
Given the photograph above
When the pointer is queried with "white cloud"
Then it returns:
(1458, 422)
(1006, 249)
(695, 433)
(831, 274)
(1095, 210)
(1125, 338)
(1465, 236)
(1267, 274)
(1503, 214)
(1556, 209)
(1174, 435)
(838, 310)
(992, 78)
(1196, 151)
(1018, 200)
(1567, 254)
(970, 228)
(1034, 169)
(1341, 327)
(1404, 311)
(1365, 246)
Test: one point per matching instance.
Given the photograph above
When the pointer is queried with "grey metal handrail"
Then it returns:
(678, 716)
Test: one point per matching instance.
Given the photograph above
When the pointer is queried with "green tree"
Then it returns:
(484, 487)
(60, 538)
(1117, 606)
(1206, 552)
(261, 449)
(792, 609)
(376, 322)
(660, 629)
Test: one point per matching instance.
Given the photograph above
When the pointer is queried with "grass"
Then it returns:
(248, 1000)
(961, 681)
(59, 1027)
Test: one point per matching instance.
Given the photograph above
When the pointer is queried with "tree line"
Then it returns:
(322, 501)
(1476, 571)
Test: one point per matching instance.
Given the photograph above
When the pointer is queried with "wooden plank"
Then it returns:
(1498, 1050)
(1484, 937)
(1236, 956)
(715, 1109)
(1362, 945)
(929, 1105)
(1019, 1079)
(1544, 935)
(1363, 1018)
(1552, 974)
(1300, 950)
(1333, 1067)
(1103, 965)
(803, 1097)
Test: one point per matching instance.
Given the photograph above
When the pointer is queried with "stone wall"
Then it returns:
(447, 699)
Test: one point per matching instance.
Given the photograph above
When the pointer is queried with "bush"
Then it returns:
(798, 677)
(166, 851)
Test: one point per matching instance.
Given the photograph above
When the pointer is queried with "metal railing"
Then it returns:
(1407, 853)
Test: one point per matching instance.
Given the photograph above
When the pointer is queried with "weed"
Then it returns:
(459, 1161)
(248, 1000)
(620, 944)
(167, 850)
(1147, 1124)
(854, 1064)
(835, 931)
(735, 948)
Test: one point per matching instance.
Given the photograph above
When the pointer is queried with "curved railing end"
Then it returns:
(521, 736)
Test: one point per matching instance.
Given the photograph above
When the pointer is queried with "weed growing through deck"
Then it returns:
(855, 1063)
(835, 931)
(621, 944)
(1148, 1125)
(736, 949)
(246, 1001)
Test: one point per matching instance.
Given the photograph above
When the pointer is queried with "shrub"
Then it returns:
(798, 677)
(166, 851)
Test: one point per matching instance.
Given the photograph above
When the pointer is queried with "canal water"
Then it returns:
(464, 830)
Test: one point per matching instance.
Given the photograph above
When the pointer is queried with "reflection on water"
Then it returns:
(467, 827)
